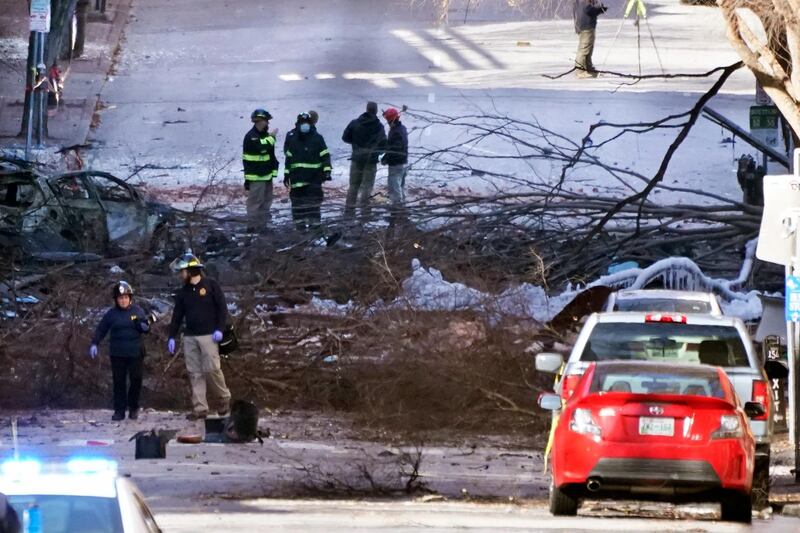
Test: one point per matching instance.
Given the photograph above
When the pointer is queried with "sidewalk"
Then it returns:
(84, 77)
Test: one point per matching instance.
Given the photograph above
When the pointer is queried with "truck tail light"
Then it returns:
(665, 317)
(761, 394)
(569, 385)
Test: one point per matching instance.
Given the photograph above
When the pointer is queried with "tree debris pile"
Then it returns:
(393, 370)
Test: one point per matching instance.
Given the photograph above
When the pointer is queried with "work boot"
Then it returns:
(133, 414)
(117, 416)
(196, 416)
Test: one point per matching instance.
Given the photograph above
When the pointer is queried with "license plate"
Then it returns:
(661, 427)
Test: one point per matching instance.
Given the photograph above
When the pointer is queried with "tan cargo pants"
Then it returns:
(583, 58)
(259, 205)
(202, 363)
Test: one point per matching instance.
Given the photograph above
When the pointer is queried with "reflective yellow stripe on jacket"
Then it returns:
(257, 177)
(256, 157)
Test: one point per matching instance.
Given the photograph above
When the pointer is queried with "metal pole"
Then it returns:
(790, 422)
(42, 96)
(29, 132)
(794, 332)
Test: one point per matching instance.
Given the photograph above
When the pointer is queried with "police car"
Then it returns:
(83, 495)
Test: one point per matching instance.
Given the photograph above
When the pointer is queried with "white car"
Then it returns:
(80, 496)
(666, 301)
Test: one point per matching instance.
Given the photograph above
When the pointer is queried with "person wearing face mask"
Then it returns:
(307, 166)
(126, 323)
(260, 167)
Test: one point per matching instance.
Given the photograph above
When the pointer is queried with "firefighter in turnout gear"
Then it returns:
(260, 167)
(307, 166)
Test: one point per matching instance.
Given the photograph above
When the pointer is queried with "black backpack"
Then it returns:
(229, 342)
(242, 424)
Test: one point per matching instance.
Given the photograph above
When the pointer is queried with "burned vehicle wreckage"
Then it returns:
(76, 214)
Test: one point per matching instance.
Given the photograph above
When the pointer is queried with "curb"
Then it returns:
(104, 66)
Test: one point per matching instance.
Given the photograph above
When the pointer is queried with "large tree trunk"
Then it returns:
(81, 12)
(766, 34)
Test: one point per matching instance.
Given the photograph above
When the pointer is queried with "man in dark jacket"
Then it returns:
(260, 167)
(200, 302)
(585, 13)
(126, 323)
(308, 164)
(368, 139)
(396, 156)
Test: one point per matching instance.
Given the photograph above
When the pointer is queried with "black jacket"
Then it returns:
(258, 156)
(307, 158)
(126, 327)
(585, 12)
(396, 146)
(367, 136)
(202, 305)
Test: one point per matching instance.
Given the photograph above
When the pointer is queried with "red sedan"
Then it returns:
(653, 431)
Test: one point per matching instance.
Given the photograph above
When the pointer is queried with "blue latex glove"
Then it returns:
(171, 346)
(93, 351)
(216, 336)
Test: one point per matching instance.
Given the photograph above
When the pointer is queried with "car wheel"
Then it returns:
(761, 483)
(561, 503)
(736, 507)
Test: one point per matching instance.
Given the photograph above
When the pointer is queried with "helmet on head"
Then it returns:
(41, 67)
(260, 114)
(391, 114)
(187, 260)
(122, 288)
(303, 117)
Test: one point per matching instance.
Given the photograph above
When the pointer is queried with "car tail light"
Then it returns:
(665, 317)
(730, 427)
(568, 386)
(583, 422)
(761, 394)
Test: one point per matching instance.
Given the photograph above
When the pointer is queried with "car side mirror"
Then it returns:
(753, 409)
(549, 401)
(549, 362)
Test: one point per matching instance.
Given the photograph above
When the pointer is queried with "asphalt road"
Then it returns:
(251, 487)
(350, 516)
(191, 71)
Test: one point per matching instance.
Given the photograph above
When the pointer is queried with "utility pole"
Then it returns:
(31, 94)
(779, 242)
(39, 26)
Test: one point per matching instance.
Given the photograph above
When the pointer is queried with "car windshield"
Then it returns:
(72, 514)
(662, 304)
(642, 380)
(665, 341)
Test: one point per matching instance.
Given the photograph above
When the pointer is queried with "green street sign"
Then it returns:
(763, 117)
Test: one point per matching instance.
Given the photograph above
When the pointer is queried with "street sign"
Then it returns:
(792, 298)
(764, 124)
(40, 16)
